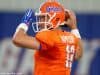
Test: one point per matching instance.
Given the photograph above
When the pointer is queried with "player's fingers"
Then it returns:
(29, 12)
(72, 16)
(70, 13)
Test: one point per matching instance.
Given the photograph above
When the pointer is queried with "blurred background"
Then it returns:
(20, 61)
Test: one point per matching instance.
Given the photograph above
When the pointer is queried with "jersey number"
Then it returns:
(70, 49)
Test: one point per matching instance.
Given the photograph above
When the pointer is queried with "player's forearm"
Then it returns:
(18, 37)
(21, 39)
(79, 51)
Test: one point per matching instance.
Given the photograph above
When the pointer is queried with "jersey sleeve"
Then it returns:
(45, 40)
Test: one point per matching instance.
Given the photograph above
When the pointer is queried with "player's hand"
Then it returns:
(71, 21)
(28, 16)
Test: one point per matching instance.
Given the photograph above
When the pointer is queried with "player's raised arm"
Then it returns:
(20, 37)
(72, 24)
(79, 51)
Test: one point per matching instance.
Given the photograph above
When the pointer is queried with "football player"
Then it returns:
(55, 48)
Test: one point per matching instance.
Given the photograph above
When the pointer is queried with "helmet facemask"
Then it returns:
(42, 22)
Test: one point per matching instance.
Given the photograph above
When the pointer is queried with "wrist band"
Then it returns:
(76, 33)
(22, 26)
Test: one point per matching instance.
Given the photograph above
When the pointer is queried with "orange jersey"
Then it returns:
(56, 53)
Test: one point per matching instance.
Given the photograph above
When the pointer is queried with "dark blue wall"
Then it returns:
(88, 24)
